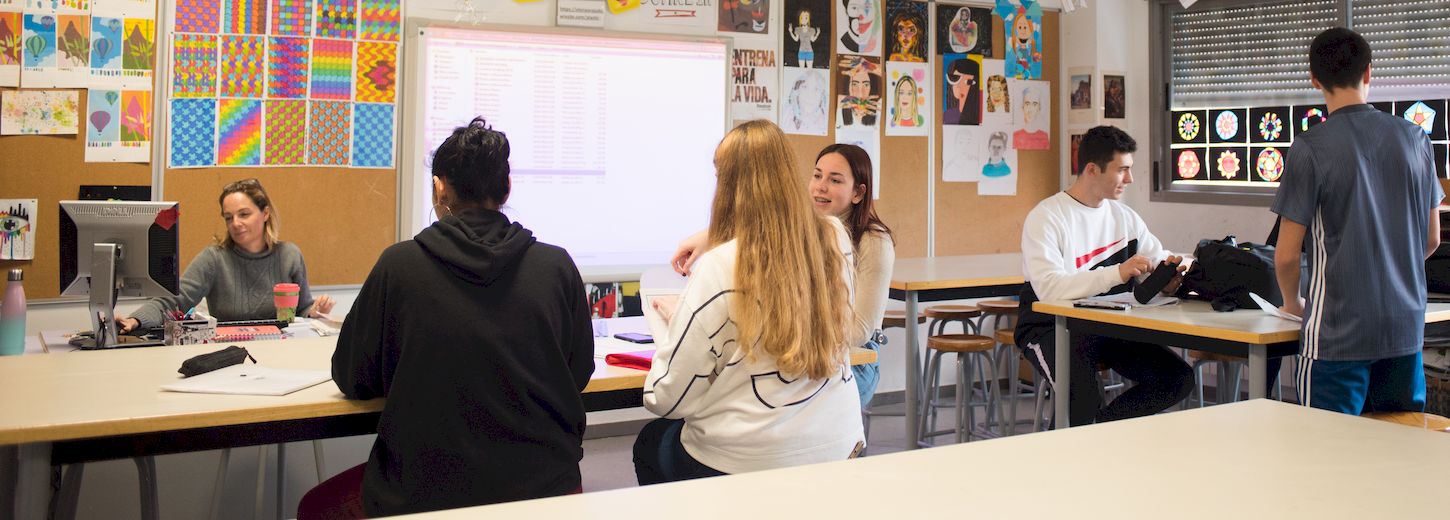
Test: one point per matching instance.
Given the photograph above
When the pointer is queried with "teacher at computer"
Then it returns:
(236, 275)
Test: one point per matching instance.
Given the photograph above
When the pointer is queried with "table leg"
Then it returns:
(1062, 376)
(31, 467)
(1258, 371)
(913, 372)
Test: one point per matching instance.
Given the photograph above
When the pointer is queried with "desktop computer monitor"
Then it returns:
(116, 248)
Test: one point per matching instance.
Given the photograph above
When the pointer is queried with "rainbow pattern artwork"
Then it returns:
(198, 16)
(287, 68)
(377, 74)
(328, 130)
(379, 20)
(291, 17)
(242, 60)
(336, 19)
(239, 132)
(332, 69)
(194, 65)
(286, 131)
(246, 17)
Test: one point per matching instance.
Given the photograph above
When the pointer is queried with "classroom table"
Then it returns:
(1259, 459)
(1191, 324)
(75, 407)
(945, 278)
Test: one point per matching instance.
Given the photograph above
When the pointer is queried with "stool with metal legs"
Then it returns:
(63, 504)
(221, 476)
(892, 318)
(975, 363)
(1003, 314)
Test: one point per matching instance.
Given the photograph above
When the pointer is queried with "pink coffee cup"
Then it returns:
(284, 296)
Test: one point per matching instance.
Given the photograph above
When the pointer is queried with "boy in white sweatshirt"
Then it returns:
(1084, 242)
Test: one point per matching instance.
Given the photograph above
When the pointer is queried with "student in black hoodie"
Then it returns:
(479, 337)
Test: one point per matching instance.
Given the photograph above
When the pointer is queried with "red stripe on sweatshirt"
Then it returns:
(1084, 259)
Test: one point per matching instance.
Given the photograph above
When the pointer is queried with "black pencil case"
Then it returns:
(208, 362)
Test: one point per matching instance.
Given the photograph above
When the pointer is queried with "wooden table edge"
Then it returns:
(1130, 320)
(964, 283)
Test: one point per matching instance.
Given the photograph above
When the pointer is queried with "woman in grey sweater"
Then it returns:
(236, 276)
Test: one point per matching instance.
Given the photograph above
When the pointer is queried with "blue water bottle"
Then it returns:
(12, 316)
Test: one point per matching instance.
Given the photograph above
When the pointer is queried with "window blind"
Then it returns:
(1410, 41)
(1249, 55)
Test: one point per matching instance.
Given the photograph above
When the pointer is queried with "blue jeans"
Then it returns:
(1394, 384)
(660, 457)
(867, 376)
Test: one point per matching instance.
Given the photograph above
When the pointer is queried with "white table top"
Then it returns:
(956, 272)
(1197, 318)
(1304, 463)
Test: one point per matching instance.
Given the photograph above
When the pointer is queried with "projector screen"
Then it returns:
(612, 137)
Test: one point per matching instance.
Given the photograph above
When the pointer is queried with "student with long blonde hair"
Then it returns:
(753, 373)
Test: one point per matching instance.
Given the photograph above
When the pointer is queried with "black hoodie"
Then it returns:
(479, 337)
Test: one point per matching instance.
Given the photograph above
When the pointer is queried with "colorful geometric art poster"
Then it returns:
(372, 135)
(1033, 114)
(332, 69)
(908, 111)
(858, 91)
(1189, 126)
(336, 19)
(805, 107)
(380, 20)
(39, 54)
(1227, 164)
(1023, 23)
(906, 31)
(858, 27)
(194, 65)
(291, 17)
(1268, 163)
(107, 137)
(329, 128)
(106, 51)
(245, 17)
(1270, 125)
(806, 22)
(286, 132)
(45, 112)
(198, 16)
(1428, 114)
(242, 66)
(138, 53)
(17, 229)
(287, 68)
(754, 82)
(1190, 163)
(11, 29)
(239, 132)
(193, 132)
(961, 89)
(377, 72)
(744, 16)
(963, 30)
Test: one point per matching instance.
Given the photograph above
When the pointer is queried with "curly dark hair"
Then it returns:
(475, 162)
(1100, 144)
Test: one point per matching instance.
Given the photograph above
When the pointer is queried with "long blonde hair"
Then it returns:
(792, 298)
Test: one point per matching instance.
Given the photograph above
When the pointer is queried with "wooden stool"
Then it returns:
(967, 347)
(1428, 421)
(941, 315)
(895, 318)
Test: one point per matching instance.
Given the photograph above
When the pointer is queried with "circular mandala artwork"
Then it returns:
(1188, 126)
(1270, 164)
(1270, 126)
(1188, 164)
(1228, 164)
(1227, 125)
(1312, 116)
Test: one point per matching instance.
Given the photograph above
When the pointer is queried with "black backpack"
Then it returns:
(1224, 272)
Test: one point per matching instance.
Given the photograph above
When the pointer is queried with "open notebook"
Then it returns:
(250, 379)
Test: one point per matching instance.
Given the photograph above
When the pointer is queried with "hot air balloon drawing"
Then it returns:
(106, 46)
(39, 41)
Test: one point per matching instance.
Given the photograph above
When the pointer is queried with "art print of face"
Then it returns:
(860, 83)
(862, 15)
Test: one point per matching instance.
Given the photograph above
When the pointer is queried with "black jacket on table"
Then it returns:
(480, 339)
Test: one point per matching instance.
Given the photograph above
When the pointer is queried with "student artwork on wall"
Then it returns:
(659, 16)
(1188, 164)
(754, 80)
(1307, 116)
(1268, 163)
(806, 101)
(858, 91)
(11, 29)
(1023, 23)
(744, 16)
(907, 111)
(997, 105)
(17, 229)
(807, 41)
(999, 168)
(1227, 164)
(281, 83)
(1270, 125)
(1080, 96)
(1428, 114)
(1229, 126)
(1033, 115)
(118, 125)
(868, 139)
(39, 58)
(858, 27)
(1188, 126)
(961, 89)
(906, 35)
(1075, 143)
(1115, 96)
(43, 112)
(963, 30)
(960, 148)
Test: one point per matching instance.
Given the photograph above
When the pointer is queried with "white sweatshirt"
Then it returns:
(1072, 251)
(743, 415)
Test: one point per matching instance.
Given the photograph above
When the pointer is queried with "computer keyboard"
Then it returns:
(253, 323)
